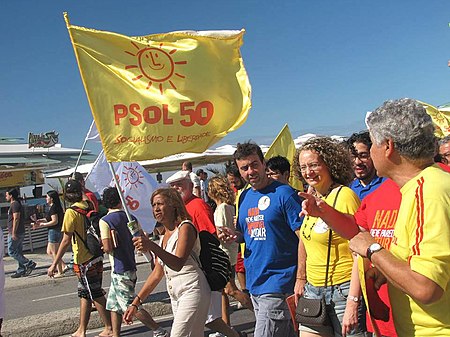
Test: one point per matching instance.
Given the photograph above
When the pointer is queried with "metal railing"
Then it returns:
(34, 238)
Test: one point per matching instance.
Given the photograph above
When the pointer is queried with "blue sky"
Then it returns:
(316, 65)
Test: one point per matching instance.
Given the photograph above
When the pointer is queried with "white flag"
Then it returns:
(136, 183)
(93, 132)
(100, 176)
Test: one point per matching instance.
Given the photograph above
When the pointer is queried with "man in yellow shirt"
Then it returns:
(89, 269)
(416, 266)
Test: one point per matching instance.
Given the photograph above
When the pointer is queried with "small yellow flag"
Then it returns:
(162, 94)
(440, 117)
(284, 146)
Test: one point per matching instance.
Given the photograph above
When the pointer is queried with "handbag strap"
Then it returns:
(329, 239)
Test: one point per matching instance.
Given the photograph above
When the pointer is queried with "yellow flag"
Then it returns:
(440, 117)
(162, 94)
(284, 146)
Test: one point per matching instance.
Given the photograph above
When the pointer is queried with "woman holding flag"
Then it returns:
(177, 254)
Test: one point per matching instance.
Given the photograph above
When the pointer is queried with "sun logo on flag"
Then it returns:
(133, 176)
(156, 65)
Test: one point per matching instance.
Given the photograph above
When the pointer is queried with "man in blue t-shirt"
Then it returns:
(267, 221)
(117, 242)
(366, 180)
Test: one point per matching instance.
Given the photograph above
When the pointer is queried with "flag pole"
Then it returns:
(79, 156)
(132, 225)
(122, 199)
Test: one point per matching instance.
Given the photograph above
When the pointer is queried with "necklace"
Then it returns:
(308, 237)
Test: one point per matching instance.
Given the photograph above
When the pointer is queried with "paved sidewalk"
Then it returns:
(38, 276)
(57, 323)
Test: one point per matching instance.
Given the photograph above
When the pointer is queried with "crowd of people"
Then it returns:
(382, 197)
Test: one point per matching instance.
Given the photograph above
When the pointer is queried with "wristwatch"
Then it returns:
(373, 248)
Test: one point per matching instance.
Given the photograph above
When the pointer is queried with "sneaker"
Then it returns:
(240, 333)
(17, 275)
(160, 333)
(216, 334)
(30, 268)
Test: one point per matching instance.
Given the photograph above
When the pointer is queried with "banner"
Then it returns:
(156, 95)
(136, 183)
(284, 146)
(21, 177)
(440, 117)
(46, 139)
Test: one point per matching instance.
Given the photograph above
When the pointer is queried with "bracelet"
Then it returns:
(134, 305)
(353, 298)
(139, 298)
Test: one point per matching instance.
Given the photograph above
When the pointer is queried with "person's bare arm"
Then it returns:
(197, 191)
(15, 225)
(397, 272)
(300, 280)
(64, 245)
(45, 223)
(343, 224)
(107, 245)
(350, 319)
(150, 284)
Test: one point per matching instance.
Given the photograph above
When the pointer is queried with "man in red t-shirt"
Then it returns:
(377, 214)
(201, 213)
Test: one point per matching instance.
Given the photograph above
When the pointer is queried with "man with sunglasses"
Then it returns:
(366, 180)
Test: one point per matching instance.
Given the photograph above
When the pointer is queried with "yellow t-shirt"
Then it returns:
(422, 238)
(314, 235)
(74, 222)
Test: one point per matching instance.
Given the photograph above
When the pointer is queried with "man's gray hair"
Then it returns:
(407, 123)
(444, 140)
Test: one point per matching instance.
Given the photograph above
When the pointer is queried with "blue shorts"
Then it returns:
(54, 235)
(336, 299)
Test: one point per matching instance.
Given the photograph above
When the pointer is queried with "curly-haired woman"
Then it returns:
(325, 166)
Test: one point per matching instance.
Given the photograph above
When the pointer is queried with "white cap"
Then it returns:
(180, 175)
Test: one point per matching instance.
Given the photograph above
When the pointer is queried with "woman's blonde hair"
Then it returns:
(219, 189)
(335, 156)
(173, 199)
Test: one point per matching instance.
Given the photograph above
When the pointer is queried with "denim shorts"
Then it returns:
(336, 299)
(54, 235)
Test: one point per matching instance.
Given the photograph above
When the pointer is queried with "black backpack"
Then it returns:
(214, 261)
(93, 242)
